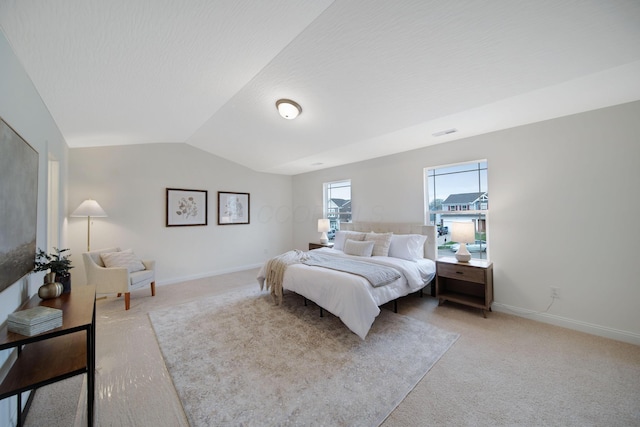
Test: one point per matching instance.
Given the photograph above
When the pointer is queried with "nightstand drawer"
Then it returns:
(468, 274)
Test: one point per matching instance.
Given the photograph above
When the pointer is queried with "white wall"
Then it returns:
(563, 213)
(22, 108)
(130, 184)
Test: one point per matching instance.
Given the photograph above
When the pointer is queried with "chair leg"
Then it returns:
(153, 289)
(127, 301)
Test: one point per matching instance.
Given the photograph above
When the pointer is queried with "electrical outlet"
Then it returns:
(555, 292)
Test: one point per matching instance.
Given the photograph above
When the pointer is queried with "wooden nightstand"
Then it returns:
(320, 245)
(469, 283)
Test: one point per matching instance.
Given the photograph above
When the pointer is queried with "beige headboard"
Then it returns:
(430, 246)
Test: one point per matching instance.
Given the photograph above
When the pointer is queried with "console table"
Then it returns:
(57, 354)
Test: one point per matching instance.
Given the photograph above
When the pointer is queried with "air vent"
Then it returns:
(445, 132)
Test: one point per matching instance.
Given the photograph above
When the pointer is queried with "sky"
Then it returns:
(456, 179)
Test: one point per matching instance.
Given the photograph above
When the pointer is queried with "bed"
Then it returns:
(410, 251)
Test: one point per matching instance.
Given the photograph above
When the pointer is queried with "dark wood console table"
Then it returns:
(57, 354)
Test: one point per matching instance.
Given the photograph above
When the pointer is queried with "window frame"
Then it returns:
(479, 216)
(336, 218)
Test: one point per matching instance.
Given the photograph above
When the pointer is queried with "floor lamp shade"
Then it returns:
(89, 208)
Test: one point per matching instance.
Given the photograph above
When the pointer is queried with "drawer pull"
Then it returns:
(459, 272)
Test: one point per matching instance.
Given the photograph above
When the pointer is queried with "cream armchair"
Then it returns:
(117, 280)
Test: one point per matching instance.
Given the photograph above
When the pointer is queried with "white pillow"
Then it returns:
(382, 243)
(125, 258)
(353, 247)
(407, 246)
(342, 236)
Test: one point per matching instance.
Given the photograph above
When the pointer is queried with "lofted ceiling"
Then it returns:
(373, 77)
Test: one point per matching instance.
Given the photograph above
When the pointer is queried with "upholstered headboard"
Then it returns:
(430, 246)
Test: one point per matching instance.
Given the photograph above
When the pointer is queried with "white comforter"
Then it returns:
(351, 297)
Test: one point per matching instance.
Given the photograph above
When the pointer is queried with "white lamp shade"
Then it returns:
(288, 109)
(89, 208)
(463, 232)
(323, 225)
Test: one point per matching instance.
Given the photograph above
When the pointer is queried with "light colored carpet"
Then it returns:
(59, 401)
(238, 359)
(503, 370)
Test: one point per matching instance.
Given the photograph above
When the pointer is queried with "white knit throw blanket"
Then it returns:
(275, 269)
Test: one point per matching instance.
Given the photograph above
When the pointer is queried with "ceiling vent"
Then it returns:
(445, 132)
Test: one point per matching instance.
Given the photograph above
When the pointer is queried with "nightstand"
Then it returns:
(469, 283)
(320, 245)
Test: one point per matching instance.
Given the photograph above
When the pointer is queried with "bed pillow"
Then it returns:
(382, 242)
(358, 248)
(126, 259)
(407, 246)
(342, 236)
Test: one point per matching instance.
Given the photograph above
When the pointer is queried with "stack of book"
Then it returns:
(34, 321)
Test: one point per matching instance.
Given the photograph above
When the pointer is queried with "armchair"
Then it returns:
(117, 280)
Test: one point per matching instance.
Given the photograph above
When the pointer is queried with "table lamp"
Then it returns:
(323, 227)
(463, 233)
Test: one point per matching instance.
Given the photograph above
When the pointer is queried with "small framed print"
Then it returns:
(233, 208)
(186, 207)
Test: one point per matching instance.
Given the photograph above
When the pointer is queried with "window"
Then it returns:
(337, 203)
(458, 193)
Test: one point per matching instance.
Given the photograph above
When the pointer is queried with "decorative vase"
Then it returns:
(49, 278)
(50, 290)
(65, 279)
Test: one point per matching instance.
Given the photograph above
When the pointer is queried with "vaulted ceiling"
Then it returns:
(373, 77)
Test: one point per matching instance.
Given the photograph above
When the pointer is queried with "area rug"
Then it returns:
(238, 359)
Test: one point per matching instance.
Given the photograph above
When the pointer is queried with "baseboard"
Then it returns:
(208, 274)
(577, 325)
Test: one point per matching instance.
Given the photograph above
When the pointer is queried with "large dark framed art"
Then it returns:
(233, 208)
(186, 207)
(18, 206)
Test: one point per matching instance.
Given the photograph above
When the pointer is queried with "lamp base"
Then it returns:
(323, 238)
(463, 255)
(463, 258)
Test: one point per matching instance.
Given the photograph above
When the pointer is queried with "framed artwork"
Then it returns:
(233, 208)
(186, 207)
(19, 200)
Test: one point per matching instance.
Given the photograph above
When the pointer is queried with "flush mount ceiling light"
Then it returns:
(288, 109)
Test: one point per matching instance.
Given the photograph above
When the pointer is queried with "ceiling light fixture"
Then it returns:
(288, 109)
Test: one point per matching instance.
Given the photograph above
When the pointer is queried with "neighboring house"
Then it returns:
(466, 202)
(458, 207)
(339, 211)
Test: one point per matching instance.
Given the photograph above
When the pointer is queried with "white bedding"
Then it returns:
(351, 297)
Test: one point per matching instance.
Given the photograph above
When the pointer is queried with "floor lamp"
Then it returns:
(89, 208)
